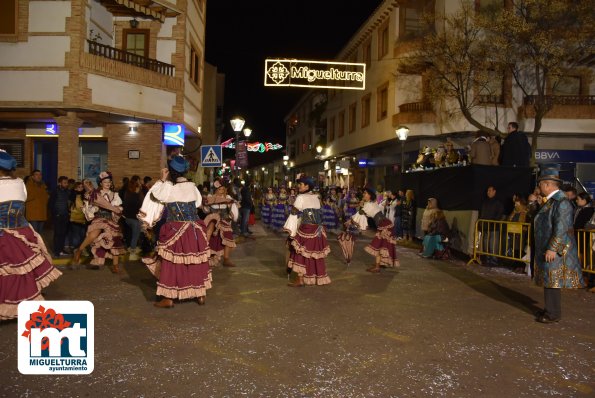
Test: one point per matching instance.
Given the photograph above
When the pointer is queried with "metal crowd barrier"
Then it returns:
(501, 239)
(585, 243)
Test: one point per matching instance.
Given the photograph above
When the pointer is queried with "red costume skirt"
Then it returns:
(25, 269)
(384, 244)
(307, 251)
(222, 237)
(109, 243)
(182, 261)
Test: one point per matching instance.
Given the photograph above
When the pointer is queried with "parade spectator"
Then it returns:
(426, 217)
(480, 152)
(25, 263)
(131, 204)
(124, 187)
(495, 150)
(584, 210)
(515, 151)
(60, 210)
(409, 215)
(491, 210)
(37, 201)
(399, 214)
(556, 257)
(570, 193)
(438, 232)
(246, 206)
(146, 185)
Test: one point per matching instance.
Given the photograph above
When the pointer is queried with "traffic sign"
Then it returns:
(211, 156)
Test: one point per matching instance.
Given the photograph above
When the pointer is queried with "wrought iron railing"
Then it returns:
(416, 107)
(563, 99)
(128, 58)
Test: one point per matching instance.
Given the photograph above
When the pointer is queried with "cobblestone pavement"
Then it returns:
(429, 328)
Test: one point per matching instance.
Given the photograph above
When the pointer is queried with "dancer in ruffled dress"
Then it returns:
(352, 203)
(222, 209)
(307, 244)
(103, 207)
(25, 264)
(266, 210)
(383, 246)
(181, 263)
(291, 197)
(280, 210)
(329, 214)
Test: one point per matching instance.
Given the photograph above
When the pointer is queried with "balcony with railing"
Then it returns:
(562, 106)
(125, 66)
(414, 112)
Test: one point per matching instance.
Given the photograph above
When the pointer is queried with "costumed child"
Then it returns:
(266, 209)
(221, 210)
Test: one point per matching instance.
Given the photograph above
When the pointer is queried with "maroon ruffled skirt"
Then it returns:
(25, 268)
(222, 237)
(109, 243)
(307, 251)
(384, 244)
(182, 261)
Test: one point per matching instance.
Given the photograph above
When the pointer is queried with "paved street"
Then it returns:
(430, 328)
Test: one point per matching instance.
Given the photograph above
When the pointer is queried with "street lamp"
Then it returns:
(237, 123)
(402, 132)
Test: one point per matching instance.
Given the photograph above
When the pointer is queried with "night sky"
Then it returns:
(240, 35)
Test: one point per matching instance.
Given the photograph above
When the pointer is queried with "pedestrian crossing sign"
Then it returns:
(211, 156)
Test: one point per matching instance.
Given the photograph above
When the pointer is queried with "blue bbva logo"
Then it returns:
(173, 134)
(56, 337)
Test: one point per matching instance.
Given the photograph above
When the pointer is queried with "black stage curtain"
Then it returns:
(464, 188)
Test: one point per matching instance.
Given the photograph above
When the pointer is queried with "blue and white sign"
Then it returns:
(211, 156)
(51, 129)
(173, 134)
(564, 156)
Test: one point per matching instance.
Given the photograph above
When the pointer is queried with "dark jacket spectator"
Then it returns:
(246, 197)
(515, 151)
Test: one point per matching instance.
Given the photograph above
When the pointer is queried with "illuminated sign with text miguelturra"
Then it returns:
(314, 74)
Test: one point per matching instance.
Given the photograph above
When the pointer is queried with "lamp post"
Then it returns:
(402, 132)
(237, 123)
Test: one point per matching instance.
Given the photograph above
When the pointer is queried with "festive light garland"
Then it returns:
(255, 146)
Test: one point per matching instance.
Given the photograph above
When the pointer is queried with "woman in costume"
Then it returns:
(182, 253)
(308, 246)
(383, 246)
(329, 214)
(25, 264)
(103, 209)
(351, 205)
(292, 196)
(280, 211)
(222, 209)
(266, 209)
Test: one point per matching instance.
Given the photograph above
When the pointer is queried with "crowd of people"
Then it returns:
(186, 230)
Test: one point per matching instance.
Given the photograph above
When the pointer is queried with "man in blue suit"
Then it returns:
(556, 257)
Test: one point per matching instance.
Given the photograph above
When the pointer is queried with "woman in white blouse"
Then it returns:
(383, 246)
(25, 264)
(308, 246)
(182, 253)
(222, 209)
(103, 207)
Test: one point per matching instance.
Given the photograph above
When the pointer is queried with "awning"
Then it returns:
(155, 9)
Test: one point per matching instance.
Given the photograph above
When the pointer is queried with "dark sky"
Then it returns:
(241, 34)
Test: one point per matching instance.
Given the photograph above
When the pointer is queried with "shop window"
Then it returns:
(366, 110)
(195, 58)
(352, 117)
(492, 92)
(8, 18)
(411, 18)
(382, 103)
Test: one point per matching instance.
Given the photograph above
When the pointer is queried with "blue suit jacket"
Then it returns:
(553, 231)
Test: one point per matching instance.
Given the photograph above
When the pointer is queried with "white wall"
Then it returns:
(129, 96)
(48, 16)
(100, 20)
(38, 51)
(32, 85)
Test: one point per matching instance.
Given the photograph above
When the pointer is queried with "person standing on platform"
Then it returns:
(308, 246)
(384, 245)
(25, 264)
(515, 151)
(481, 151)
(556, 257)
(491, 210)
(37, 201)
(181, 263)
